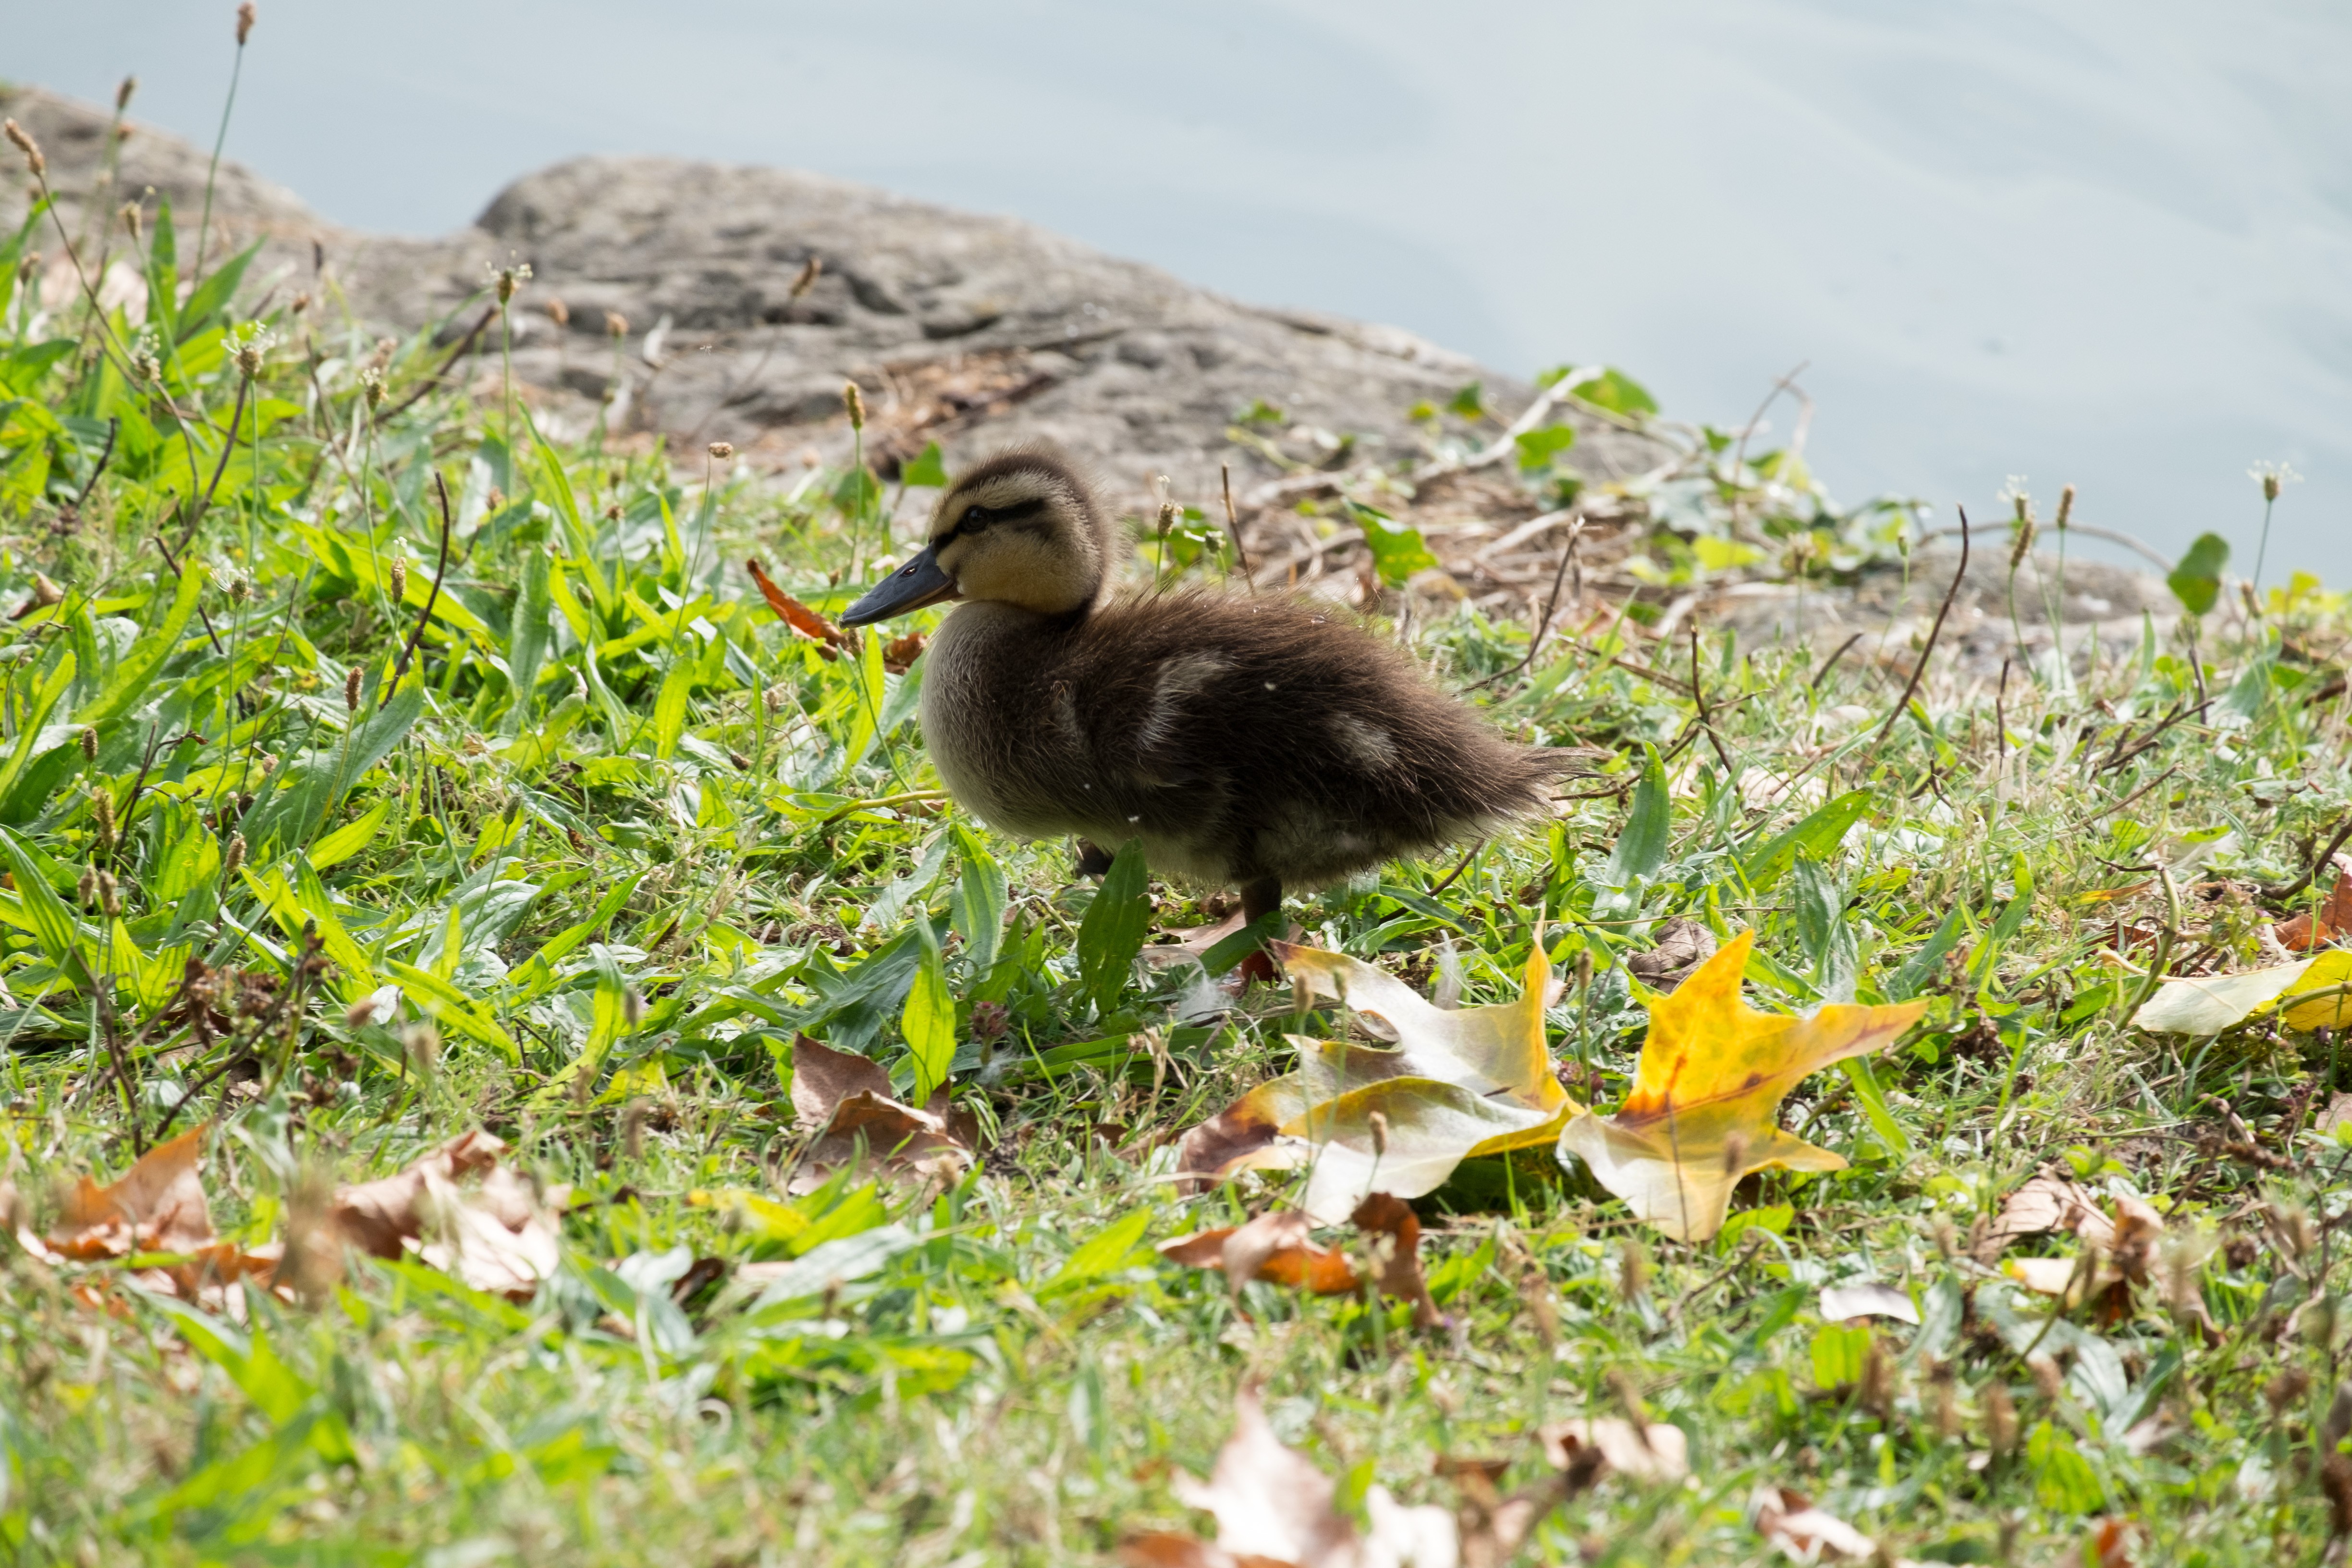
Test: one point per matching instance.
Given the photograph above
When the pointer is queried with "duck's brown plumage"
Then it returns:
(1239, 738)
(1246, 739)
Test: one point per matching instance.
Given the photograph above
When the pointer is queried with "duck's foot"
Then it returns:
(1257, 969)
(1261, 897)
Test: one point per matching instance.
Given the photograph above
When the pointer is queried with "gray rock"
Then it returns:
(2094, 602)
(969, 330)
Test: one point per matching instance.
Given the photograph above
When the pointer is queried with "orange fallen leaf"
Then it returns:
(1712, 1074)
(901, 652)
(157, 1206)
(800, 617)
(1275, 1248)
(1363, 1120)
(2331, 923)
(1272, 1507)
(2107, 1546)
(846, 1102)
(462, 1209)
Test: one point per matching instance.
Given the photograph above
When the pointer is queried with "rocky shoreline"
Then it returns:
(703, 302)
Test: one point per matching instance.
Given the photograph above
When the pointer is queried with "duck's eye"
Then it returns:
(975, 518)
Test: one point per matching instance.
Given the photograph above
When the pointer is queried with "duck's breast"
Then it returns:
(1000, 729)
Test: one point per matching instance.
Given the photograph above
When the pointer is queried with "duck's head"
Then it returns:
(1023, 528)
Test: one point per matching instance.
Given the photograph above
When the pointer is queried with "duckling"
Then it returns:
(1250, 741)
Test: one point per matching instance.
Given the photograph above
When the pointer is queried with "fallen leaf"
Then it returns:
(2328, 925)
(1492, 1527)
(1395, 1231)
(846, 1102)
(2107, 1546)
(462, 1209)
(2051, 1277)
(2137, 1230)
(1193, 942)
(1789, 1519)
(803, 619)
(2046, 1203)
(1841, 1303)
(1679, 946)
(900, 653)
(2208, 1004)
(1275, 1248)
(1365, 1119)
(2119, 1250)
(378, 1216)
(157, 1206)
(1712, 1074)
(1655, 1454)
(1272, 1507)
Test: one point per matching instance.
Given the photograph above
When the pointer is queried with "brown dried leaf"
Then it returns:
(1396, 1233)
(157, 1205)
(1273, 1507)
(2119, 1253)
(1242, 1136)
(1275, 1248)
(1681, 945)
(1655, 1455)
(2108, 1546)
(846, 1102)
(1493, 1527)
(1789, 1519)
(495, 1235)
(2138, 1229)
(379, 1216)
(2049, 1201)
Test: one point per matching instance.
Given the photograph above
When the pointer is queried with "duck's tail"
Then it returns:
(1571, 762)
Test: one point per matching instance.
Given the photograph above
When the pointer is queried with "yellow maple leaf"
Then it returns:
(1711, 1078)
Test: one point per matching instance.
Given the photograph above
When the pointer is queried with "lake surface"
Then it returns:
(2094, 242)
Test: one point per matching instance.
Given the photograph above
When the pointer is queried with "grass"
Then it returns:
(620, 836)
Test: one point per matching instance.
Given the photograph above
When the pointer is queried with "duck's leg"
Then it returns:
(1260, 898)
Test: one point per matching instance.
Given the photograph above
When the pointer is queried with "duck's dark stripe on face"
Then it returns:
(976, 518)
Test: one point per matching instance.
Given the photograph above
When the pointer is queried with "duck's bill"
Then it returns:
(919, 583)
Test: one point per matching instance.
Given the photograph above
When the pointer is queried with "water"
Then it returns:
(2094, 242)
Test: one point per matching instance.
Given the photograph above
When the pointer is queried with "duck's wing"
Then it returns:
(1195, 696)
(1291, 710)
